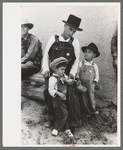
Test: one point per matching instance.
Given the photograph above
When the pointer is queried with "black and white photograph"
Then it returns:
(64, 79)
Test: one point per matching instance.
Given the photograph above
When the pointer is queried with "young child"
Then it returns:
(58, 90)
(89, 77)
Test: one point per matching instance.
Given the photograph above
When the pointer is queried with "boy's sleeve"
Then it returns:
(96, 73)
(52, 86)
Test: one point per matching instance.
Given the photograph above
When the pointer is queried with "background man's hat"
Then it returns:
(74, 22)
(58, 61)
(25, 22)
(93, 47)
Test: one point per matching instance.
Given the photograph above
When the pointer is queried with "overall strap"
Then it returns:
(56, 38)
(71, 40)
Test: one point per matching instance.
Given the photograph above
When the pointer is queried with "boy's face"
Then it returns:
(24, 29)
(89, 55)
(68, 31)
(60, 71)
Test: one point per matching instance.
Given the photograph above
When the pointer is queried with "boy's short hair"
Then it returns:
(61, 65)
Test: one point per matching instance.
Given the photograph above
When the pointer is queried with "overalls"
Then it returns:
(64, 49)
(87, 99)
(60, 107)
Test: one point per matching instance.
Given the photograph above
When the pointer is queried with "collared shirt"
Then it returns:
(76, 45)
(33, 48)
(53, 88)
(95, 68)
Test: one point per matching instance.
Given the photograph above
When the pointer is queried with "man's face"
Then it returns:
(68, 31)
(24, 29)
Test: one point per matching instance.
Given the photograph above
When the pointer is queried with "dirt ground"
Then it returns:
(33, 130)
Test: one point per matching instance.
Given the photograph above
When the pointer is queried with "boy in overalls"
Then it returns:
(58, 90)
(89, 77)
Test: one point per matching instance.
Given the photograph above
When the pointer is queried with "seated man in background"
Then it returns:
(31, 51)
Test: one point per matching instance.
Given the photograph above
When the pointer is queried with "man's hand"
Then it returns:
(71, 76)
(69, 81)
(46, 74)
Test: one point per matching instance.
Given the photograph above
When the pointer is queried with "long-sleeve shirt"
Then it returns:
(29, 49)
(76, 45)
(95, 68)
(53, 87)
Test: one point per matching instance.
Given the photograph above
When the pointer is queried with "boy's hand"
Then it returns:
(69, 81)
(61, 95)
(81, 88)
(97, 86)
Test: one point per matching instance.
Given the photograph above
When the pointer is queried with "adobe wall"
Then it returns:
(98, 24)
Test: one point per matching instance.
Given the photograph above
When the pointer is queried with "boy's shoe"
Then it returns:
(68, 132)
(54, 132)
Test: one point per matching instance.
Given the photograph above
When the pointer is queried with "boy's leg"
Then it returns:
(61, 114)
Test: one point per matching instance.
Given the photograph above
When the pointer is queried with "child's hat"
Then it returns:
(58, 61)
(93, 47)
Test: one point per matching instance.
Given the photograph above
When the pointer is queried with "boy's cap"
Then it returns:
(57, 61)
(93, 47)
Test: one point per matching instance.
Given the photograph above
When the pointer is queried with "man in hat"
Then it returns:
(31, 51)
(64, 45)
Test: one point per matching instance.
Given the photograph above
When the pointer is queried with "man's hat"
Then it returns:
(74, 22)
(93, 47)
(25, 22)
(58, 61)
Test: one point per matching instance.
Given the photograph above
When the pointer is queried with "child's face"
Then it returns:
(89, 55)
(60, 71)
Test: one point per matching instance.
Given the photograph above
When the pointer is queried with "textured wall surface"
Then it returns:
(98, 24)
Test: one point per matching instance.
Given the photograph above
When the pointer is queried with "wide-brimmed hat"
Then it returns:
(74, 22)
(58, 61)
(25, 22)
(93, 47)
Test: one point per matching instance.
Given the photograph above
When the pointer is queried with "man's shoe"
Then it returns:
(54, 132)
(69, 134)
